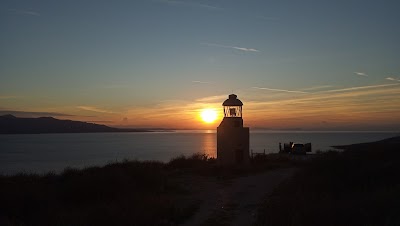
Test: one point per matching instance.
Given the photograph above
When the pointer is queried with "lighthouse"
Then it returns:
(232, 138)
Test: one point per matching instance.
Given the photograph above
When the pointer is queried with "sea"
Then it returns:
(43, 153)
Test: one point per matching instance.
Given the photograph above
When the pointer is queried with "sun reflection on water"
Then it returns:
(209, 144)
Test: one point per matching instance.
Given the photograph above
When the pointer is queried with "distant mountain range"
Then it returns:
(9, 124)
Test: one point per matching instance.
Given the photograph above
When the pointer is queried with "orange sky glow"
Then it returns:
(361, 107)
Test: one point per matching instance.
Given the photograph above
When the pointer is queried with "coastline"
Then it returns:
(45, 152)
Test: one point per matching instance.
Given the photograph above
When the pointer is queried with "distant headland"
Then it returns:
(9, 124)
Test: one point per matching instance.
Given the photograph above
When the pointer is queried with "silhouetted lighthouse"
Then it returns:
(232, 137)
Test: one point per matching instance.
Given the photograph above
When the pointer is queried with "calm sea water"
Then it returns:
(53, 152)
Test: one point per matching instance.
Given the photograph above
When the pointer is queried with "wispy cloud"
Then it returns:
(190, 4)
(279, 90)
(94, 109)
(343, 94)
(393, 79)
(231, 47)
(245, 49)
(357, 88)
(343, 107)
(361, 74)
(24, 12)
(201, 82)
(216, 98)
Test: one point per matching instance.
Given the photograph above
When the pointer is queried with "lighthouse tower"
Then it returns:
(232, 137)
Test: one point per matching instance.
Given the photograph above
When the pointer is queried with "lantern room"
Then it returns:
(232, 107)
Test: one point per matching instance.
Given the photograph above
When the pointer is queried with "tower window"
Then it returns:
(232, 111)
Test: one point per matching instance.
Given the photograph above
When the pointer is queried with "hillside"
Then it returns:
(10, 124)
(356, 186)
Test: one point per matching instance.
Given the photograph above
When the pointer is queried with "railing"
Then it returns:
(254, 154)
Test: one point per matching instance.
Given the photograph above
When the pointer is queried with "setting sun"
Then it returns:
(208, 115)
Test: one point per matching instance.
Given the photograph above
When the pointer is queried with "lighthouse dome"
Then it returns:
(232, 101)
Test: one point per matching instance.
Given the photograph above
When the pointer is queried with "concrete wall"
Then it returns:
(233, 144)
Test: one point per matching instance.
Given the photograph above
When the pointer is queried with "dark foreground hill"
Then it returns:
(10, 124)
(357, 186)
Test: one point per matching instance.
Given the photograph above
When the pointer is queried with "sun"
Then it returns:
(208, 115)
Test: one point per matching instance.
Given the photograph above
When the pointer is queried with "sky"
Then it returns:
(314, 65)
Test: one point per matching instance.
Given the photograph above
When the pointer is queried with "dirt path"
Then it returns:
(235, 202)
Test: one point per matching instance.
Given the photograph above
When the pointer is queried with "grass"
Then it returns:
(124, 193)
(358, 186)
(130, 192)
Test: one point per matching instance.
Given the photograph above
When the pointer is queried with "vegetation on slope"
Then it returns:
(359, 186)
(125, 193)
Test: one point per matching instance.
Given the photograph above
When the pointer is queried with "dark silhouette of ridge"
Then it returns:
(9, 124)
(388, 143)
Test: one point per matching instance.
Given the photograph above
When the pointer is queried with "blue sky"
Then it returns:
(159, 62)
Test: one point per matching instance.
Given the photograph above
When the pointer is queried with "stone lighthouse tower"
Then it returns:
(232, 137)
